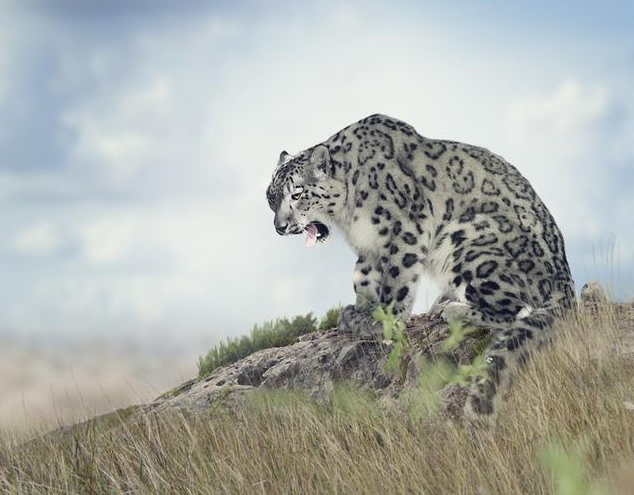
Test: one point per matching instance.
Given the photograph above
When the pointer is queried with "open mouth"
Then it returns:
(316, 232)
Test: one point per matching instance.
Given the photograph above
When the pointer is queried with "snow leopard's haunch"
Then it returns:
(408, 204)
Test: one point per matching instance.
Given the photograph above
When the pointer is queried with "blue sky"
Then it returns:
(137, 138)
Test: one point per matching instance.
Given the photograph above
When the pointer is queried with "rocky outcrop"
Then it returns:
(323, 358)
(320, 359)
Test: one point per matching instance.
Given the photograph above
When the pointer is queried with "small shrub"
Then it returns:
(275, 333)
(330, 319)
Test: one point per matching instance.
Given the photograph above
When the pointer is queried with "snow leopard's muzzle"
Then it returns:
(322, 230)
(315, 231)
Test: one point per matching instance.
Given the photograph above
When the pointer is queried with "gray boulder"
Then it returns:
(321, 359)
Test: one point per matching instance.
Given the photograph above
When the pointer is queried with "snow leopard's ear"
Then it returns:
(320, 164)
(284, 157)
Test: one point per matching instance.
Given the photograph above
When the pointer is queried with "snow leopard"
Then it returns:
(410, 205)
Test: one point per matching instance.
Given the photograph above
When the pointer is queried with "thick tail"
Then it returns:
(508, 352)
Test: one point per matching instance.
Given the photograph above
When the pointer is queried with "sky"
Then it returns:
(137, 139)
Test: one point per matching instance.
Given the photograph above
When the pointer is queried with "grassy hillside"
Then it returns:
(567, 429)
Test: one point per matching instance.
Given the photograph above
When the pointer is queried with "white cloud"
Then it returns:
(121, 135)
(565, 143)
(107, 241)
(16, 186)
(42, 239)
(172, 135)
(572, 108)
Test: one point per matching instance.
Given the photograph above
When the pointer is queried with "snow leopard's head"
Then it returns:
(304, 194)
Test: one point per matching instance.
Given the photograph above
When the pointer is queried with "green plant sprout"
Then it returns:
(433, 375)
(393, 331)
(567, 469)
(465, 372)
(457, 333)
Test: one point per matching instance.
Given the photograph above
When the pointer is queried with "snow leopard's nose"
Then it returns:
(277, 223)
(279, 228)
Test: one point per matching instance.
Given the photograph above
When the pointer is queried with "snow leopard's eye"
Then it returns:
(297, 195)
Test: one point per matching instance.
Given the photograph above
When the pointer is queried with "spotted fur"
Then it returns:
(408, 204)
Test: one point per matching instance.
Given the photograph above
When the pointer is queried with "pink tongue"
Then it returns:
(311, 235)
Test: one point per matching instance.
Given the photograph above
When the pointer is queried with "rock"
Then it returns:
(592, 294)
(318, 361)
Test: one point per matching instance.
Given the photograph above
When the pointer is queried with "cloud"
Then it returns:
(109, 113)
(572, 108)
(573, 141)
(107, 242)
(143, 158)
(39, 240)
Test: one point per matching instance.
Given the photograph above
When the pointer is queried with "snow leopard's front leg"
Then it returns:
(390, 278)
(367, 280)
(400, 281)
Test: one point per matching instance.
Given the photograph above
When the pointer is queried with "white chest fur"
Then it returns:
(361, 234)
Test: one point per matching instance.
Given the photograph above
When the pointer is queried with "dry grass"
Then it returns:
(567, 429)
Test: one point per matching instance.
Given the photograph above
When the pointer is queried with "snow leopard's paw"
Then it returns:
(359, 322)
